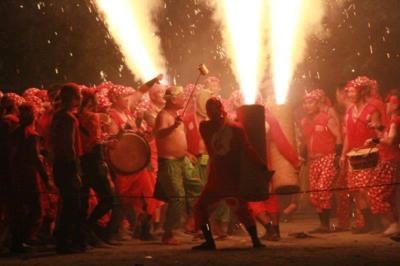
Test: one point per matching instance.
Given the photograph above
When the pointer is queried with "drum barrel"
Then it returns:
(253, 182)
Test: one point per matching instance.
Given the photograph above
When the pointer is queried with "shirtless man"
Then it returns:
(175, 183)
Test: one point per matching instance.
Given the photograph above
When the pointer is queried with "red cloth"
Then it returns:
(382, 195)
(225, 145)
(270, 205)
(357, 130)
(380, 106)
(43, 127)
(391, 152)
(344, 201)
(317, 136)
(136, 190)
(321, 176)
(193, 137)
(360, 179)
(276, 135)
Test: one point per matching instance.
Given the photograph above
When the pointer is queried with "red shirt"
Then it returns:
(357, 129)
(319, 139)
(193, 137)
(391, 152)
(380, 106)
(276, 135)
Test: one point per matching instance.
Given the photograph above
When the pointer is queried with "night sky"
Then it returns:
(48, 42)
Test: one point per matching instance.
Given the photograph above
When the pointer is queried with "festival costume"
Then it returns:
(137, 189)
(193, 138)
(358, 132)
(321, 154)
(382, 194)
(224, 144)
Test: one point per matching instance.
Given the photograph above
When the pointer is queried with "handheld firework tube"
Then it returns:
(285, 179)
(253, 182)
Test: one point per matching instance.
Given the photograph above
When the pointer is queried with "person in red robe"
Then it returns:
(361, 120)
(323, 143)
(225, 141)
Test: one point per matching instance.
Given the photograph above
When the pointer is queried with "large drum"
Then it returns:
(363, 158)
(129, 155)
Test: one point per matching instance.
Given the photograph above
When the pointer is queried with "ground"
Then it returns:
(330, 249)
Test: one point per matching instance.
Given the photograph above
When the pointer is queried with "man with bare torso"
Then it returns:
(176, 183)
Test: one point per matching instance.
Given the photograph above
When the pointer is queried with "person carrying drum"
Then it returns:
(225, 141)
(176, 183)
(133, 190)
(322, 143)
(361, 120)
(383, 194)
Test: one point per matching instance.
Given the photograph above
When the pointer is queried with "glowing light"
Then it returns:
(285, 15)
(291, 21)
(242, 24)
(130, 24)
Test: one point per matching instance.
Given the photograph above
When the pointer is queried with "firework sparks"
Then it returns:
(130, 24)
(242, 23)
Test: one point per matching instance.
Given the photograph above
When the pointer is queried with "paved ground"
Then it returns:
(333, 249)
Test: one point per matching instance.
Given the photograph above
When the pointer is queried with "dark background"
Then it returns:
(53, 41)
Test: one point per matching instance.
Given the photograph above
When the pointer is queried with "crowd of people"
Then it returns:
(60, 186)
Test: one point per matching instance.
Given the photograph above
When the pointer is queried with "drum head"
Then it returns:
(130, 155)
(362, 152)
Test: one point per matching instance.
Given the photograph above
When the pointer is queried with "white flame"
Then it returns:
(291, 22)
(242, 23)
(130, 24)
